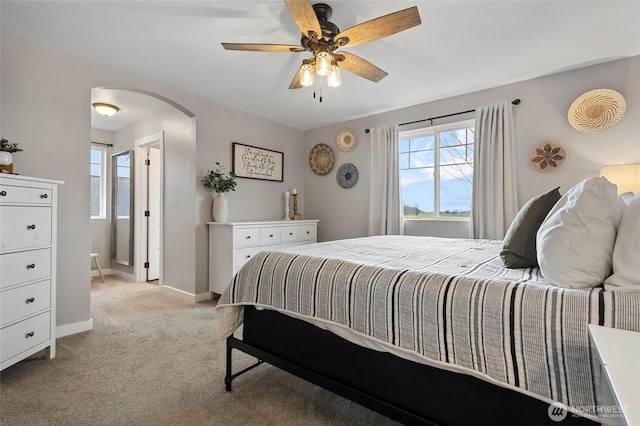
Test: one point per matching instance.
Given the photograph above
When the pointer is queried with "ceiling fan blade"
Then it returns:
(295, 83)
(302, 12)
(258, 47)
(359, 66)
(379, 27)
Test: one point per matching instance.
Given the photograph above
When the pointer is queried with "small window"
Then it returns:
(98, 183)
(436, 171)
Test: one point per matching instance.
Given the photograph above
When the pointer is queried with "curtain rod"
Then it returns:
(102, 143)
(514, 102)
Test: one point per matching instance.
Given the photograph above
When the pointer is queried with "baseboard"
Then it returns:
(186, 295)
(125, 276)
(74, 328)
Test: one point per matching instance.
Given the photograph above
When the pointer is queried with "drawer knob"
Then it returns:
(290, 233)
(44, 196)
(30, 300)
(29, 334)
(248, 256)
(31, 227)
(31, 266)
(270, 235)
(248, 237)
(3, 193)
(308, 232)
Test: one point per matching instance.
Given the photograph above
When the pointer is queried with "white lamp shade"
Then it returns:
(626, 176)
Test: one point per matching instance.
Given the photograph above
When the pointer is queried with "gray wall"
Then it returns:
(46, 98)
(541, 116)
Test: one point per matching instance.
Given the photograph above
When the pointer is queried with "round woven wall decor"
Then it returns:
(321, 159)
(548, 157)
(597, 110)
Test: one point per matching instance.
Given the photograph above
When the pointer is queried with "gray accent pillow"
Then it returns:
(519, 246)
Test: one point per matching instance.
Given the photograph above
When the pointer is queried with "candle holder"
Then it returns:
(286, 206)
(296, 216)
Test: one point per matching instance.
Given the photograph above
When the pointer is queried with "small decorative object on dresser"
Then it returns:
(216, 180)
(27, 293)
(6, 158)
(232, 244)
(286, 206)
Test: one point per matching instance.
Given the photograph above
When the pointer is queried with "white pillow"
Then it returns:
(626, 252)
(575, 241)
(626, 197)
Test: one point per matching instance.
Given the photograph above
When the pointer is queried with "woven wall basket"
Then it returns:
(597, 110)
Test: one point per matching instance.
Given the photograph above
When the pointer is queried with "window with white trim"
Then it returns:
(436, 171)
(98, 182)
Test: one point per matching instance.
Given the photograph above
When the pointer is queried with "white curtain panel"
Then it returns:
(494, 204)
(385, 191)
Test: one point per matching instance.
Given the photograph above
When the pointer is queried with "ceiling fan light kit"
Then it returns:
(322, 38)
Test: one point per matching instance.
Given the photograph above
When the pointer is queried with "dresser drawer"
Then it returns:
(20, 302)
(24, 227)
(24, 335)
(247, 237)
(20, 267)
(18, 194)
(289, 233)
(269, 235)
(243, 255)
(307, 232)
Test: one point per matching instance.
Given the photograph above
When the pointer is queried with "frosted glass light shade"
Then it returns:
(626, 176)
(323, 64)
(105, 109)
(333, 80)
(306, 75)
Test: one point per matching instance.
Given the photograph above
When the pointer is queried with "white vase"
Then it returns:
(5, 158)
(220, 207)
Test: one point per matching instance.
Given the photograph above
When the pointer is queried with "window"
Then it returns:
(98, 183)
(436, 171)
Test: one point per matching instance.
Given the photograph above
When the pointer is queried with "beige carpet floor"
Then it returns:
(154, 359)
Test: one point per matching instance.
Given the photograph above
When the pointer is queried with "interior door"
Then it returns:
(153, 219)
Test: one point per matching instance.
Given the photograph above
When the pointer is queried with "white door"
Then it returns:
(153, 220)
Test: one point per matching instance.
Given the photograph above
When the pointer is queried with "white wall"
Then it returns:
(541, 116)
(46, 100)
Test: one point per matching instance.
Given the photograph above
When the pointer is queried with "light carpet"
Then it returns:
(155, 359)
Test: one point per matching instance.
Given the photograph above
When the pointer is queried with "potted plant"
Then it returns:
(6, 158)
(219, 182)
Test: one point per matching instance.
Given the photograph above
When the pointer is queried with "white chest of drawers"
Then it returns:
(232, 244)
(27, 267)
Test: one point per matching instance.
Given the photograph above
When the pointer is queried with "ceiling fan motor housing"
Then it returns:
(329, 29)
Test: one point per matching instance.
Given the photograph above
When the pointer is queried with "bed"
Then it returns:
(425, 330)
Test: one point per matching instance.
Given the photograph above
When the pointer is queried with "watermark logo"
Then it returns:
(557, 411)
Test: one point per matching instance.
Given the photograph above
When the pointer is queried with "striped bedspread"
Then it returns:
(449, 301)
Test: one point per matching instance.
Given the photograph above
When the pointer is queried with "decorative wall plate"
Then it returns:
(346, 140)
(347, 175)
(321, 159)
(547, 157)
(597, 110)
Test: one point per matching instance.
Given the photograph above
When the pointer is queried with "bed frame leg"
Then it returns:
(229, 376)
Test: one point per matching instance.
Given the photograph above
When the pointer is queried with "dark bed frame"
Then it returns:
(406, 391)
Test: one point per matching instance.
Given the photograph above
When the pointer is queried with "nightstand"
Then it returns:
(619, 355)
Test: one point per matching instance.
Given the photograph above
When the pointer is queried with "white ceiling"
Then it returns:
(460, 47)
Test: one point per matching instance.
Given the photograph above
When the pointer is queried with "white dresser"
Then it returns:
(232, 244)
(27, 267)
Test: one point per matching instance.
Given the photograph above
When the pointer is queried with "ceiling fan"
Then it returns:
(322, 38)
